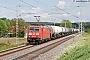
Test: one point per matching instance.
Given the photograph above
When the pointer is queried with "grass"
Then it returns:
(12, 41)
(4, 46)
(6, 43)
(78, 50)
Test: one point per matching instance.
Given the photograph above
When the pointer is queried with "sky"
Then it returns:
(48, 10)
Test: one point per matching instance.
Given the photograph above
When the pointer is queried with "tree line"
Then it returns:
(9, 26)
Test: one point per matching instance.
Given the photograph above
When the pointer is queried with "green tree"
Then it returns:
(22, 26)
(87, 30)
(4, 26)
(66, 23)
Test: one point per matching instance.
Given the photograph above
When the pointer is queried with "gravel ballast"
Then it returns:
(56, 51)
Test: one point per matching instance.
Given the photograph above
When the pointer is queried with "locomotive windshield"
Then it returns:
(34, 29)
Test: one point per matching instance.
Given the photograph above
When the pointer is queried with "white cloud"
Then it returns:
(4, 16)
(65, 15)
(28, 16)
(32, 10)
(78, 13)
(45, 15)
(7, 13)
(39, 0)
(61, 4)
(35, 10)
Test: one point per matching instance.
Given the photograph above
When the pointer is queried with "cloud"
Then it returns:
(65, 15)
(35, 12)
(27, 16)
(7, 13)
(78, 13)
(32, 10)
(39, 0)
(61, 4)
(45, 15)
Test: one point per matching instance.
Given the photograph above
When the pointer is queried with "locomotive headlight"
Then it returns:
(37, 33)
(30, 33)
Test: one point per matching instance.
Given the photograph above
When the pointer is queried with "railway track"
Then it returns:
(13, 48)
(30, 52)
(5, 53)
(34, 54)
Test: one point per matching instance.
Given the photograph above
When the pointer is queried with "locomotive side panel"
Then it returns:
(38, 34)
(45, 33)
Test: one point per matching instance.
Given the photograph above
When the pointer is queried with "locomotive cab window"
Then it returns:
(36, 29)
(31, 28)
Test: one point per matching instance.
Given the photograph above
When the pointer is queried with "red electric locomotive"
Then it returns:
(38, 34)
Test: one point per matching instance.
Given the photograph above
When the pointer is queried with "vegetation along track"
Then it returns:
(30, 52)
(34, 54)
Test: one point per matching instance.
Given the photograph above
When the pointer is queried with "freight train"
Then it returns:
(39, 34)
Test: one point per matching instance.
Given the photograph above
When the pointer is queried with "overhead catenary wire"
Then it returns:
(41, 9)
(43, 3)
(7, 8)
(20, 11)
(52, 9)
(48, 6)
(55, 10)
(66, 12)
(13, 9)
(33, 6)
(58, 8)
(9, 2)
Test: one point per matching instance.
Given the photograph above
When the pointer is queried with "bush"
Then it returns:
(79, 53)
(87, 30)
(79, 50)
